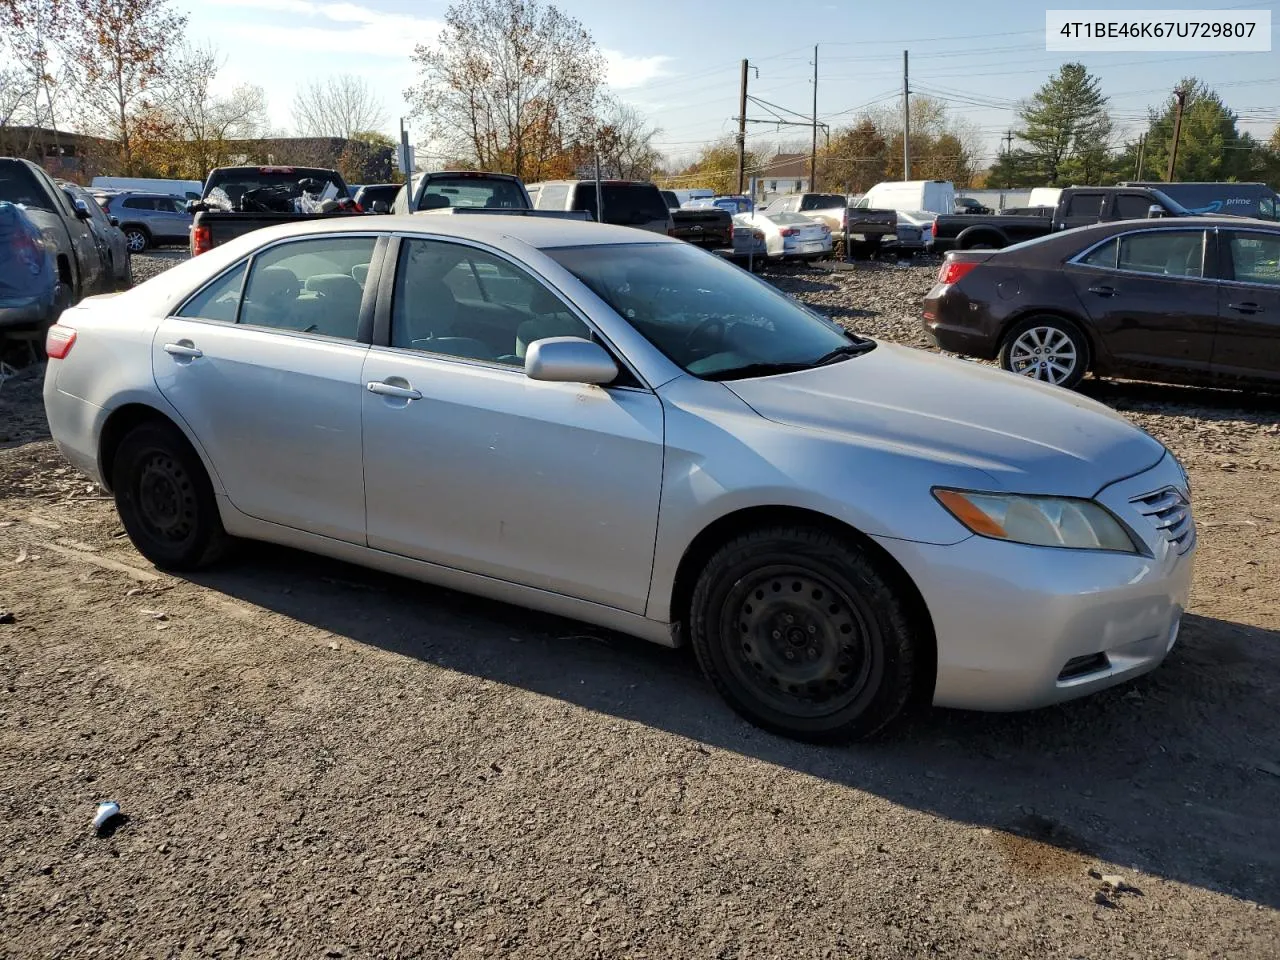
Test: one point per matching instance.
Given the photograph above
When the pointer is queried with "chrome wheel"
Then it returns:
(137, 241)
(802, 646)
(1044, 353)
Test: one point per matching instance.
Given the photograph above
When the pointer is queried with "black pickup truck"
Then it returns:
(1077, 207)
(237, 200)
(708, 227)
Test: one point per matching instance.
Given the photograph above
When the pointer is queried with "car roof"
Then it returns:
(539, 232)
(1186, 223)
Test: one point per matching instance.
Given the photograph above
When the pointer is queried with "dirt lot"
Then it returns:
(316, 761)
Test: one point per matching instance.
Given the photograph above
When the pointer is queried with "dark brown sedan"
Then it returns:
(1188, 300)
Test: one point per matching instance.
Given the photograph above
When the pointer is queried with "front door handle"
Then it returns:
(1244, 307)
(1103, 291)
(184, 349)
(384, 389)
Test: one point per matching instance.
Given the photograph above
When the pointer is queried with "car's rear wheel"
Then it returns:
(804, 634)
(138, 239)
(165, 499)
(1049, 349)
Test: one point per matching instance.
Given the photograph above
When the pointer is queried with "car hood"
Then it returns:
(1028, 437)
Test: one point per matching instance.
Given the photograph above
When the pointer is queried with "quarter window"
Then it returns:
(219, 300)
(1255, 258)
(309, 286)
(460, 301)
(1169, 253)
(1103, 256)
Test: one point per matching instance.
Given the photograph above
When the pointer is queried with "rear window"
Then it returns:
(472, 192)
(785, 218)
(822, 201)
(625, 204)
(236, 183)
(19, 185)
(1085, 205)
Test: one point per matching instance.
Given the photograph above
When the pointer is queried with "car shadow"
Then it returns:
(1210, 403)
(1176, 774)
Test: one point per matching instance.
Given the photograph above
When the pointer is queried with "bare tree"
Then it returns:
(340, 106)
(120, 51)
(32, 30)
(16, 96)
(203, 124)
(625, 141)
(509, 85)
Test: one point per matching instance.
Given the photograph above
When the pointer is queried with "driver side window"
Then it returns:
(460, 301)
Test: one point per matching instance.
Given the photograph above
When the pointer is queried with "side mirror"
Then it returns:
(1155, 211)
(569, 360)
(82, 210)
(380, 206)
(115, 221)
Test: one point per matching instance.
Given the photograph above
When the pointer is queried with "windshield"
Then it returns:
(472, 192)
(785, 218)
(19, 185)
(711, 318)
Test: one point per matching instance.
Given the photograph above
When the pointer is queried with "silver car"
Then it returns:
(150, 219)
(618, 427)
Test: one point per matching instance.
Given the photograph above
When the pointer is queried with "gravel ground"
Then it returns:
(317, 761)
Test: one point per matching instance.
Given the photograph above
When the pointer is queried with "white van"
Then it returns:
(697, 193)
(1044, 197)
(908, 196)
(184, 189)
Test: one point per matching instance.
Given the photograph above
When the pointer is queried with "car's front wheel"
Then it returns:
(1046, 348)
(165, 499)
(804, 634)
(137, 239)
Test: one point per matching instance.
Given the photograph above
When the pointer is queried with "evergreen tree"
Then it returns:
(1066, 128)
(1210, 146)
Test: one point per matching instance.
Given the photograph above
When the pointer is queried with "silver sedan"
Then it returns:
(618, 427)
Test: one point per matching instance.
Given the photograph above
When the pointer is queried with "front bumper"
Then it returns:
(1020, 627)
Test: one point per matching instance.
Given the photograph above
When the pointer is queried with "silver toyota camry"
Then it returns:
(618, 427)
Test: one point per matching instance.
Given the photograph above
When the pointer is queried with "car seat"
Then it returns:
(334, 310)
(360, 273)
(551, 319)
(271, 297)
(434, 201)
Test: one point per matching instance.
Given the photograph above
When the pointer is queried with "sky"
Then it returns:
(679, 61)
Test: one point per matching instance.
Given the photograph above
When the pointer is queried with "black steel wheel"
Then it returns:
(804, 634)
(165, 500)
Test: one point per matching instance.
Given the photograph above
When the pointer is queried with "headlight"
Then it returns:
(1039, 521)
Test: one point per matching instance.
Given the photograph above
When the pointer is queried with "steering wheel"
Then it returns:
(718, 323)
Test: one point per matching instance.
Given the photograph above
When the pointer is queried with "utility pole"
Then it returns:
(405, 165)
(813, 150)
(1008, 152)
(1142, 155)
(742, 129)
(906, 121)
(1181, 95)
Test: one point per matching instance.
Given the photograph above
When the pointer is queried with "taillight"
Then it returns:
(952, 270)
(59, 341)
(201, 240)
(356, 207)
(788, 231)
(671, 231)
(933, 228)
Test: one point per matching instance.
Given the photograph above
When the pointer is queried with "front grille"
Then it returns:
(1170, 512)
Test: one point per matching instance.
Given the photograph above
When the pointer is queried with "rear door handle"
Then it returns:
(384, 389)
(1103, 291)
(185, 349)
(1244, 307)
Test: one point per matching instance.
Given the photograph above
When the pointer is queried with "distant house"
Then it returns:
(74, 156)
(785, 173)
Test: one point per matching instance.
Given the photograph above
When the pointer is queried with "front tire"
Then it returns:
(165, 499)
(1049, 349)
(137, 239)
(804, 634)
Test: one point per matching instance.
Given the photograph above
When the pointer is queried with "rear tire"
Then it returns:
(165, 499)
(1063, 359)
(804, 634)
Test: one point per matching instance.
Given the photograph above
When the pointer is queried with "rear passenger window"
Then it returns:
(311, 286)
(219, 300)
(1085, 205)
(1103, 256)
(1169, 253)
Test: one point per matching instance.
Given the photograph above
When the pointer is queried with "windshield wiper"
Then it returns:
(845, 351)
(754, 370)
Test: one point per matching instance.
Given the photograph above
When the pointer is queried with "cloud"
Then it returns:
(625, 71)
(334, 28)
